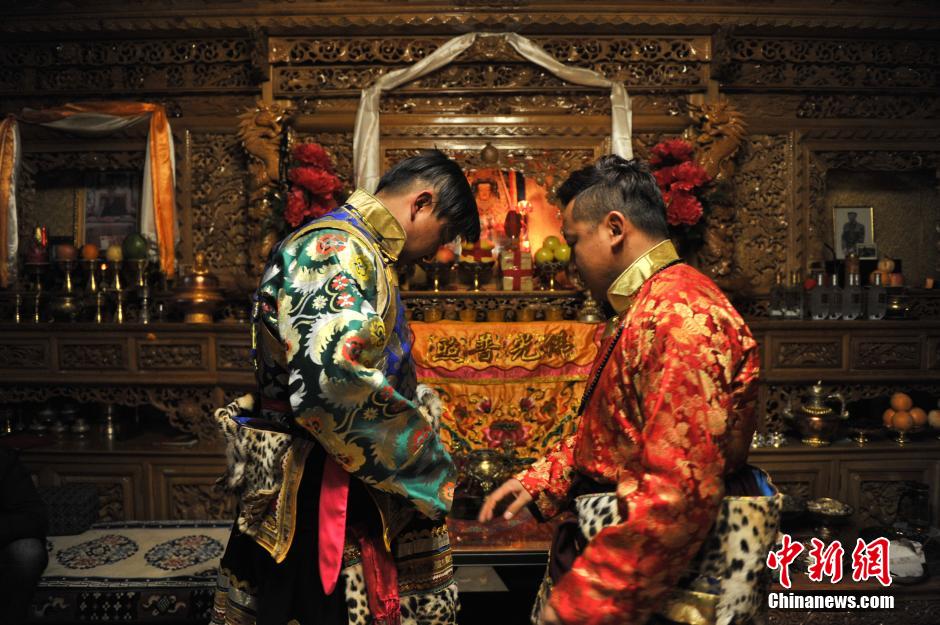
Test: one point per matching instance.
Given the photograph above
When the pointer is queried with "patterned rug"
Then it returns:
(133, 572)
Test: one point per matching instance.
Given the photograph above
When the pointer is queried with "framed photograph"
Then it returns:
(107, 208)
(852, 226)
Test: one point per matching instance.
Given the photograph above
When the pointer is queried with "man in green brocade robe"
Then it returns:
(342, 479)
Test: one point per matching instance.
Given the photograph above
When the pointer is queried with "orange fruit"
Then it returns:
(901, 401)
(902, 421)
(919, 415)
(886, 417)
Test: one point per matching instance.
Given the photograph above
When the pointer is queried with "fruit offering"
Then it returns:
(445, 256)
(904, 416)
(479, 252)
(544, 255)
(134, 247)
(114, 254)
(90, 251)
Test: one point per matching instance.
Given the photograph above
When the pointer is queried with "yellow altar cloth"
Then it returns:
(499, 381)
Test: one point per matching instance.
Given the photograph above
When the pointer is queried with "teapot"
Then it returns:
(817, 422)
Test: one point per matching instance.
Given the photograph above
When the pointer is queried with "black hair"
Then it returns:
(455, 201)
(577, 182)
(627, 187)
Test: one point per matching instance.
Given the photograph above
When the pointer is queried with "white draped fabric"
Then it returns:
(367, 157)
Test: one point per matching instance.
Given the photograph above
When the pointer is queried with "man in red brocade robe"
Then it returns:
(667, 416)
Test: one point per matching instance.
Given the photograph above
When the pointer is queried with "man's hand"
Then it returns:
(549, 616)
(511, 487)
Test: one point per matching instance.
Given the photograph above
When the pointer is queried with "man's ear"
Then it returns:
(424, 199)
(616, 225)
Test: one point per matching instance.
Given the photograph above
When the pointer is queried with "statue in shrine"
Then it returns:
(337, 462)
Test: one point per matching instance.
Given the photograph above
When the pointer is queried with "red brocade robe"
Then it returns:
(672, 414)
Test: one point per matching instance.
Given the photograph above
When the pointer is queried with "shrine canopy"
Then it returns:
(158, 224)
(367, 157)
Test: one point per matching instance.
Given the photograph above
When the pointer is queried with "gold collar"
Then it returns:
(622, 291)
(379, 221)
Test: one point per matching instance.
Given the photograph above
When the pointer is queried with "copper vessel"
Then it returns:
(818, 423)
(199, 294)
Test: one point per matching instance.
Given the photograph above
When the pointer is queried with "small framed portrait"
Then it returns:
(107, 208)
(853, 227)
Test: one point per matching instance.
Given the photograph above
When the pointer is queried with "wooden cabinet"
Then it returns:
(138, 479)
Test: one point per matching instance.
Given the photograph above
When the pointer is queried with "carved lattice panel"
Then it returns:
(220, 209)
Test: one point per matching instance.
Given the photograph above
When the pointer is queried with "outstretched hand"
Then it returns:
(510, 488)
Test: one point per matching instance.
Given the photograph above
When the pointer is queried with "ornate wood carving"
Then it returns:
(122, 66)
(188, 408)
(199, 502)
(260, 131)
(111, 502)
(493, 77)
(833, 64)
(23, 356)
(220, 216)
(326, 18)
(762, 225)
(78, 356)
(231, 356)
(880, 354)
(847, 106)
(804, 490)
(809, 354)
(407, 50)
(171, 357)
(719, 129)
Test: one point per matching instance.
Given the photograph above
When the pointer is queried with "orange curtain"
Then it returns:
(161, 162)
(7, 173)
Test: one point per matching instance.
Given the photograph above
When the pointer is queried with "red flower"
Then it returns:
(316, 181)
(297, 208)
(312, 154)
(690, 173)
(670, 152)
(664, 177)
(682, 208)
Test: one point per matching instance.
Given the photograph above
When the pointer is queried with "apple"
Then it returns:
(551, 243)
(919, 417)
(115, 254)
(444, 256)
(563, 253)
(544, 255)
(933, 418)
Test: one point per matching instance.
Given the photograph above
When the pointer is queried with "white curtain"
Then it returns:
(366, 154)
